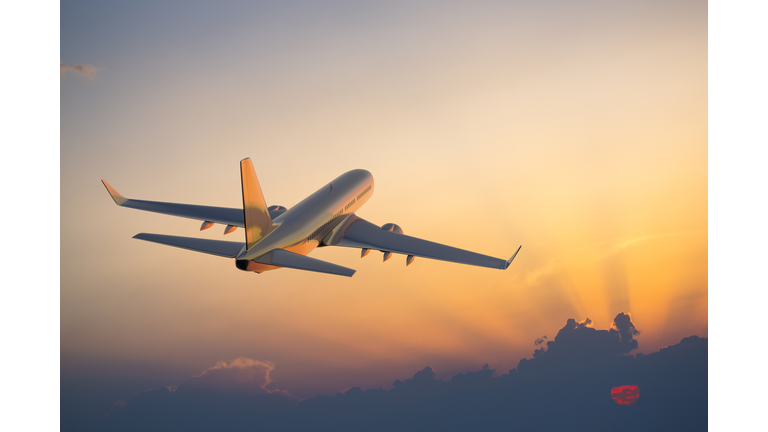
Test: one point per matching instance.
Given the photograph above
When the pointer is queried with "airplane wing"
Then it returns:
(220, 248)
(222, 215)
(359, 233)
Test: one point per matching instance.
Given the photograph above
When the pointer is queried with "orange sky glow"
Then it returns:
(580, 135)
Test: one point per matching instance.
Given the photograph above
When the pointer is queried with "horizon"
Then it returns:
(578, 131)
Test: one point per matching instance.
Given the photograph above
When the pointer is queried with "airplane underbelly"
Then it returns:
(304, 248)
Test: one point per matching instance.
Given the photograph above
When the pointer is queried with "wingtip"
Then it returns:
(513, 257)
(119, 199)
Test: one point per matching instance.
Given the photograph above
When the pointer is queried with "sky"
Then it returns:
(576, 130)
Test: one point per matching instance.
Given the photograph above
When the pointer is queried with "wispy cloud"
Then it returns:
(621, 244)
(598, 253)
(536, 274)
(240, 374)
(88, 71)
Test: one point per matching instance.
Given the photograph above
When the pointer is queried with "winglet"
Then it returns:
(119, 199)
(513, 257)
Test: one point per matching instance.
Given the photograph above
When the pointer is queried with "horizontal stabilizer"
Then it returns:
(283, 258)
(225, 249)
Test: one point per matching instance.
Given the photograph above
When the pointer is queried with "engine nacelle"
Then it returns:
(276, 210)
(392, 227)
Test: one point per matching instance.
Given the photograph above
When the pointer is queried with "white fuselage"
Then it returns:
(301, 228)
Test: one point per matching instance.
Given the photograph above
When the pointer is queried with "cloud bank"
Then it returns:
(564, 386)
(229, 395)
(87, 71)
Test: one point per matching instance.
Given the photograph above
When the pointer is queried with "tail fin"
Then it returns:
(257, 221)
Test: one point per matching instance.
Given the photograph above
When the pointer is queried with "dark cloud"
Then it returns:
(566, 385)
(540, 340)
(87, 71)
(230, 395)
(623, 323)
(578, 345)
(421, 378)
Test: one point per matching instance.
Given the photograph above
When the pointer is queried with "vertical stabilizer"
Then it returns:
(257, 221)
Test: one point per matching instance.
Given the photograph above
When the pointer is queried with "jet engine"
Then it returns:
(276, 210)
(392, 227)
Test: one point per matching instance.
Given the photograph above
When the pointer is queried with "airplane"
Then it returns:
(277, 237)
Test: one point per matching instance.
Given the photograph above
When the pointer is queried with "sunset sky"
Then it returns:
(577, 129)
